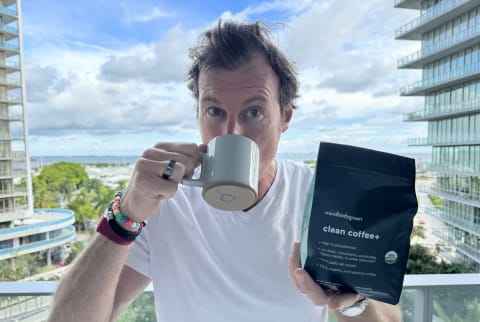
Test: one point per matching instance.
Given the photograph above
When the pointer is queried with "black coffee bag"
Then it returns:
(358, 220)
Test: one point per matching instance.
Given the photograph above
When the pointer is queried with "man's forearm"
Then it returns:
(87, 291)
(375, 312)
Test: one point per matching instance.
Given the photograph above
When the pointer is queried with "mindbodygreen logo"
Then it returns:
(391, 257)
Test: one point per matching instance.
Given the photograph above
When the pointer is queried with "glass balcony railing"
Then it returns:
(425, 298)
(439, 46)
(465, 196)
(454, 218)
(455, 139)
(11, 12)
(456, 238)
(444, 110)
(434, 12)
(10, 29)
(9, 46)
(419, 87)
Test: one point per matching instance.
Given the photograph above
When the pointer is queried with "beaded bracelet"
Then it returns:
(113, 212)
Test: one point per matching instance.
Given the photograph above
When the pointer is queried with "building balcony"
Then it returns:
(455, 77)
(421, 297)
(434, 17)
(43, 221)
(19, 212)
(408, 4)
(12, 100)
(454, 170)
(454, 238)
(10, 82)
(10, 66)
(12, 117)
(467, 197)
(9, 32)
(452, 140)
(8, 14)
(455, 219)
(444, 111)
(12, 137)
(13, 193)
(13, 155)
(17, 173)
(68, 235)
(9, 48)
(445, 47)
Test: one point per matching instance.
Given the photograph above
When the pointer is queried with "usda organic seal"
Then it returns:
(391, 257)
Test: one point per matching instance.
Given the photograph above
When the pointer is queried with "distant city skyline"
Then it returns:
(107, 77)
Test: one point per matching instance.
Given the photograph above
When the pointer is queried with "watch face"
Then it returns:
(355, 309)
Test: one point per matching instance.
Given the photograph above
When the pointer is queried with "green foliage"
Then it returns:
(76, 248)
(142, 309)
(64, 177)
(457, 306)
(419, 232)
(19, 268)
(436, 201)
(422, 260)
(44, 196)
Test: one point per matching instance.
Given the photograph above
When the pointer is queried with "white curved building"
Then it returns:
(22, 230)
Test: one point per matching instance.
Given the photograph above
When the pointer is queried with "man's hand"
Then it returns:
(375, 312)
(315, 293)
(147, 188)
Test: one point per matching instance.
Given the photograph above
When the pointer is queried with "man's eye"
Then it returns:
(254, 112)
(215, 111)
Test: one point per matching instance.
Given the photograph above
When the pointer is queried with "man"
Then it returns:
(207, 264)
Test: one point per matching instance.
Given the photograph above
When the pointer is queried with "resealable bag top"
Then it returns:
(357, 221)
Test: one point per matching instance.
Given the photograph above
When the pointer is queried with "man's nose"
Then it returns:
(233, 127)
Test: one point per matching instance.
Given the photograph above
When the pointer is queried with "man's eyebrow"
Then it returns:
(209, 98)
(256, 98)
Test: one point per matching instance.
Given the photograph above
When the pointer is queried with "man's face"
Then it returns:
(245, 102)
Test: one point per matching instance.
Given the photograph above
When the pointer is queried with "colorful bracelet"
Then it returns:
(113, 212)
(110, 228)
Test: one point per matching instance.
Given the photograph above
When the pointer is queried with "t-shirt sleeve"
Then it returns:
(139, 257)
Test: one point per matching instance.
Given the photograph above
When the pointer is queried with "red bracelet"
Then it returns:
(106, 230)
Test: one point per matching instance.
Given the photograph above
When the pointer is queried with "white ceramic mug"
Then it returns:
(229, 172)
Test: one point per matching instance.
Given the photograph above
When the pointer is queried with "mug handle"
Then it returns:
(196, 182)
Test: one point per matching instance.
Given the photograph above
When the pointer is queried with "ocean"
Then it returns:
(41, 161)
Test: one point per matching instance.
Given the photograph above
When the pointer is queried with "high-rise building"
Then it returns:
(23, 230)
(449, 59)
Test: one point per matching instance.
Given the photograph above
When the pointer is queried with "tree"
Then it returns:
(44, 197)
(64, 177)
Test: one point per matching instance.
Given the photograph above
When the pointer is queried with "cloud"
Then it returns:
(44, 82)
(130, 82)
(154, 14)
(163, 61)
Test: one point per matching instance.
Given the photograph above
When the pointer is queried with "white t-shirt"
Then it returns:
(210, 265)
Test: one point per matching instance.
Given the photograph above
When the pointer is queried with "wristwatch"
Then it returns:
(354, 310)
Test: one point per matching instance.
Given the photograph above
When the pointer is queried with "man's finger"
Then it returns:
(294, 262)
(311, 289)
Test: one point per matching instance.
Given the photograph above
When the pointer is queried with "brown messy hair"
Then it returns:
(231, 44)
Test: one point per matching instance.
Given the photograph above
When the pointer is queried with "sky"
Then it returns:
(108, 77)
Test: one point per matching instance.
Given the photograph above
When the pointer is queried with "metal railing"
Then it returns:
(445, 110)
(422, 295)
(455, 139)
(437, 47)
(434, 12)
(440, 80)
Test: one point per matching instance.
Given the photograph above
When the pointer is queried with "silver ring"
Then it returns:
(169, 170)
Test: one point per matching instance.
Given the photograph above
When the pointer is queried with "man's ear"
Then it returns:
(286, 116)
